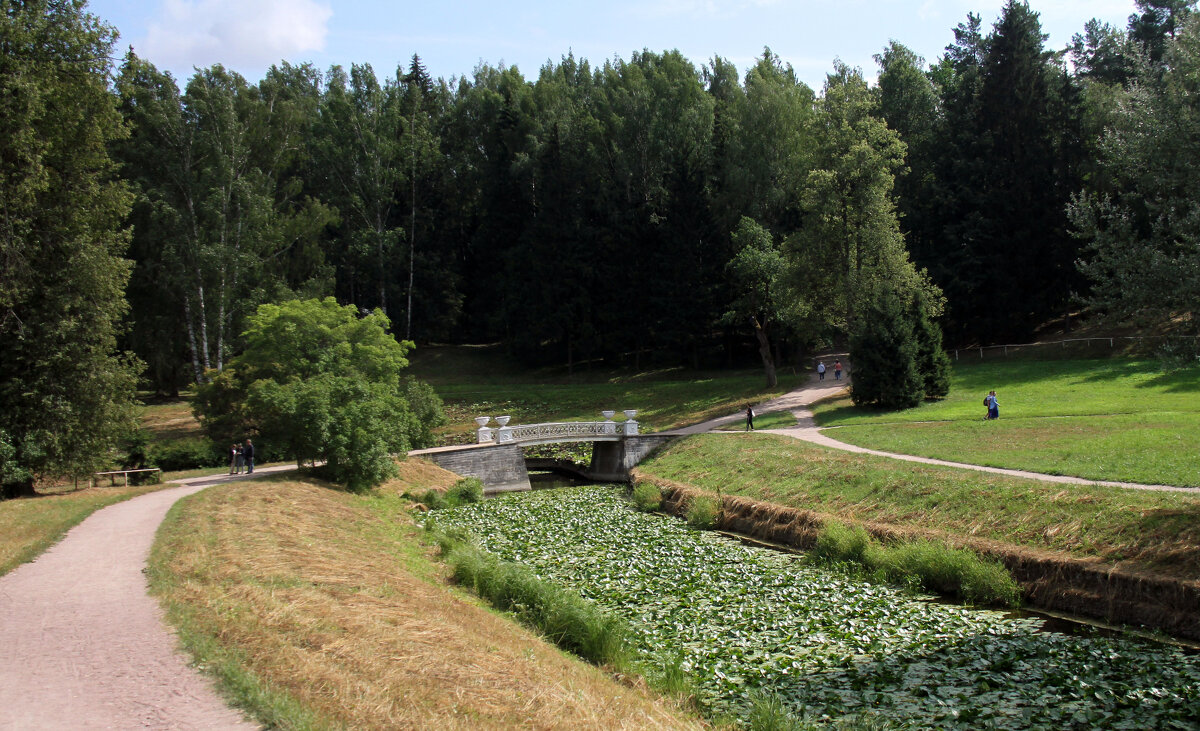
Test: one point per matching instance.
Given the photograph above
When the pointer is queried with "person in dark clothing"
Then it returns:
(749, 418)
(248, 456)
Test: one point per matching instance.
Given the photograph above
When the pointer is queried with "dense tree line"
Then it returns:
(644, 206)
(593, 212)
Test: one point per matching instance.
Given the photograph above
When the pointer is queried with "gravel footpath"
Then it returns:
(84, 646)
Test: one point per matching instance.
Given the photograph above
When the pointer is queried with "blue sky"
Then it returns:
(453, 37)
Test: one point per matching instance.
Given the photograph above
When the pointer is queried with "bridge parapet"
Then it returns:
(568, 431)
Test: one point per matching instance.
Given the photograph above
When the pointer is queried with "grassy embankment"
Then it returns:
(1112, 419)
(320, 609)
(1154, 530)
(477, 382)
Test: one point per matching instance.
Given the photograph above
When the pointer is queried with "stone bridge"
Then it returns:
(498, 458)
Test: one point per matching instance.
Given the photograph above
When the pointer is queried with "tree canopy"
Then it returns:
(66, 394)
(318, 381)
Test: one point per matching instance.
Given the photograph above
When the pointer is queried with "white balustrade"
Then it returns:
(560, 431)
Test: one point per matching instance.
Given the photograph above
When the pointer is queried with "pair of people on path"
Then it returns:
(993, 406)
(241, 457)
(837, 370)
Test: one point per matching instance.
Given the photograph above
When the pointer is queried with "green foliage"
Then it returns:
(703, 513)
(936, 567)
(749, 621)
(466, 490)
(958, 572)
(188, 454)
(66, 395)
(318, 382)
(884, 350)
(646, 497)
(1143, 250)
(566, 620)
(840, 543)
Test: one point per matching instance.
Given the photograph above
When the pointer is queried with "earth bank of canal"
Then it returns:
(1089, 588)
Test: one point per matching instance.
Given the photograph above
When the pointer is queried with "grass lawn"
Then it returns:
(29, 526)
(321, 609)
(664, 399)
(1157, 530)
(769, 420)
(171, 420)
(1097, 419)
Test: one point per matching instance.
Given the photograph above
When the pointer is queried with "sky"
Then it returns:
(453, 37)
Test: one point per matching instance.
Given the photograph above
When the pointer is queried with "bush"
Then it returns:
(703, 513)
(187, 454)
(931, 566)
(837, 542)
(646, 497)
(466, 490)
(951, 571)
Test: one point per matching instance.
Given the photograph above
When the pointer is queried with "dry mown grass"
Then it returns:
(330, 599)
(171, 421)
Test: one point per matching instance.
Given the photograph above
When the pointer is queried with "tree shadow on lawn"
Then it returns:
(1182, 381)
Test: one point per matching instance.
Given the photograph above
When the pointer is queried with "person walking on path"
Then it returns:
(234, 451)
(239, 460)
(837, 370)
(248, 454)
(749, 418)
(821, 370)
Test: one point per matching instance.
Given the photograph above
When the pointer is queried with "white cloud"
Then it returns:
(236, 33)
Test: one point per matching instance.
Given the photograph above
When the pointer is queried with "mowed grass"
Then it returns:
(664, 400)
(29, 526)
(171, 420)
(320, 609)
(1145, 529)
(1121, 420)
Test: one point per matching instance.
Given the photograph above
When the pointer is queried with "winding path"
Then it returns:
(800, 400)
(82, 643)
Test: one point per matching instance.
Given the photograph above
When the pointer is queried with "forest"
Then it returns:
(645, 210)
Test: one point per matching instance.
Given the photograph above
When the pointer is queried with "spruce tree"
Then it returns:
(884, 350)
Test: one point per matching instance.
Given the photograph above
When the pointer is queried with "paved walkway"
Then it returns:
(800, 400)
(82, 643)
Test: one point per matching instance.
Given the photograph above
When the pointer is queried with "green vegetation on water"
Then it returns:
(1116, 419)
(743, 622)
(1157, 529)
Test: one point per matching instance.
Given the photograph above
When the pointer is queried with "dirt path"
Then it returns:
(83, 644)
(800, 400)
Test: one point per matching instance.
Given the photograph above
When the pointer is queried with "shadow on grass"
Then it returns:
(1182, 381)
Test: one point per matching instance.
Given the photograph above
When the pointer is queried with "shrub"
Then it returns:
(837, 542)
(703, 513)
(646, 497)
(924, 564)
(187, 454)
(466, 490)
(952, 571)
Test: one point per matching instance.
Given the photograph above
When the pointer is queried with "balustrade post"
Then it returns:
(630, 427)
(483, 435)
(504, 434)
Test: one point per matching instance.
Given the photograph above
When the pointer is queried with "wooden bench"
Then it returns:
(125, 474)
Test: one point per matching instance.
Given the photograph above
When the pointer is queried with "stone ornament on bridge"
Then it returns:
(483, 434)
